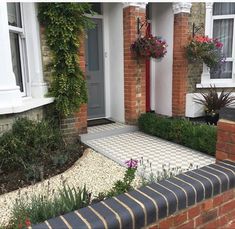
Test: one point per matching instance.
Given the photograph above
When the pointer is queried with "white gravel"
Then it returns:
(94, 170)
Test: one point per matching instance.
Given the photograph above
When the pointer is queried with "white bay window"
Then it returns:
(21, 79)
(220, 25)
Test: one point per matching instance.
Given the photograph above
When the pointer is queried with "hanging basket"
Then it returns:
(149, 47)
(205, 49)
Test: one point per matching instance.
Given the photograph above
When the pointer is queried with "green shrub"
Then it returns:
(200, 137)
(120, 186)
(41, 207)
(29, 144)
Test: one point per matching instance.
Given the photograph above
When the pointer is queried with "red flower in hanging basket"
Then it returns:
(205, 49)
(149, 46)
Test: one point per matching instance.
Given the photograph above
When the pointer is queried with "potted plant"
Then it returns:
(207, 50)
(149, 46)
(213, 102)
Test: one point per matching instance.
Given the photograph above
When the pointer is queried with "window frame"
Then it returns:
(20, 31)
(228, 59)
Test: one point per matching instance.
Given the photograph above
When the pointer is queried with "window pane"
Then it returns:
(96, 7)
(15, 55)
(148, 11)
(14, 16)
(223, 8)
(93, 50)
(223, 31)
(225, 72)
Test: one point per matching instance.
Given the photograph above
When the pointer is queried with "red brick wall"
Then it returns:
(77, 123)
(81, 123)
(180, 64)
(134, 73)
(217, 212)
(225, 148)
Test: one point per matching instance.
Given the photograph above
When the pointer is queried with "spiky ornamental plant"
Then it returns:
(64, 24)
(213, 101)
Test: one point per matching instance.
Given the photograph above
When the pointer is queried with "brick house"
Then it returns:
(117, 88)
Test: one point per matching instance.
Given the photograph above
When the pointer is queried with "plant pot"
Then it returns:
(212, 119)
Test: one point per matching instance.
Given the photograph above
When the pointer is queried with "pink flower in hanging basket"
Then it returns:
(207, 50)
(149, 46)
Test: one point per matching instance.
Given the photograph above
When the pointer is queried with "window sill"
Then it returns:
(216, 84)
(27, 104)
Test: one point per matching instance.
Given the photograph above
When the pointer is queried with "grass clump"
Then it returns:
(195, 136)
(42, 207)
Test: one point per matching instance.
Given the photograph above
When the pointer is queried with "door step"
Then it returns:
(106, 133)
(98, 122)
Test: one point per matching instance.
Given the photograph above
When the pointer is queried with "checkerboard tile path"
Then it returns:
(138, 145)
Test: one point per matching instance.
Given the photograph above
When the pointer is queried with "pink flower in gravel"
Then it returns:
(132, 163)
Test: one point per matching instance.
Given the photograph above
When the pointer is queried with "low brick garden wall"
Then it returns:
(196, 198)
(216, 212)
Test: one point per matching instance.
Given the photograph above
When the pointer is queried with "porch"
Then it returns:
(121, 88)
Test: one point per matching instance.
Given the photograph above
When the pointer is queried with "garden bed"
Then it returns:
(93, 170)
(10, 181)
(34, 151)
(92, 178)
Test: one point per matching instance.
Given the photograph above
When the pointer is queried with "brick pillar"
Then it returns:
(180, 63)
(225, 147)
(134, 72)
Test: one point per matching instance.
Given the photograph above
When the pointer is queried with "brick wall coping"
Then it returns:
(147, 205)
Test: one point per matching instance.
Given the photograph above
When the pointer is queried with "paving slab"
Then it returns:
(137, 145)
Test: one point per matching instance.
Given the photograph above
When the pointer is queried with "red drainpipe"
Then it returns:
(148, 31)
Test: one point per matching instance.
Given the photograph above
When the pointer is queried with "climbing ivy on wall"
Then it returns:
(64, 24)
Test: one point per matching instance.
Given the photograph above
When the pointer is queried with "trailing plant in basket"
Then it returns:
(207, 50)
(64, 24)
(149, 46)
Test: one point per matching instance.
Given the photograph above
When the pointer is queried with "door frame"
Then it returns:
(105, 61)
(148, 74)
